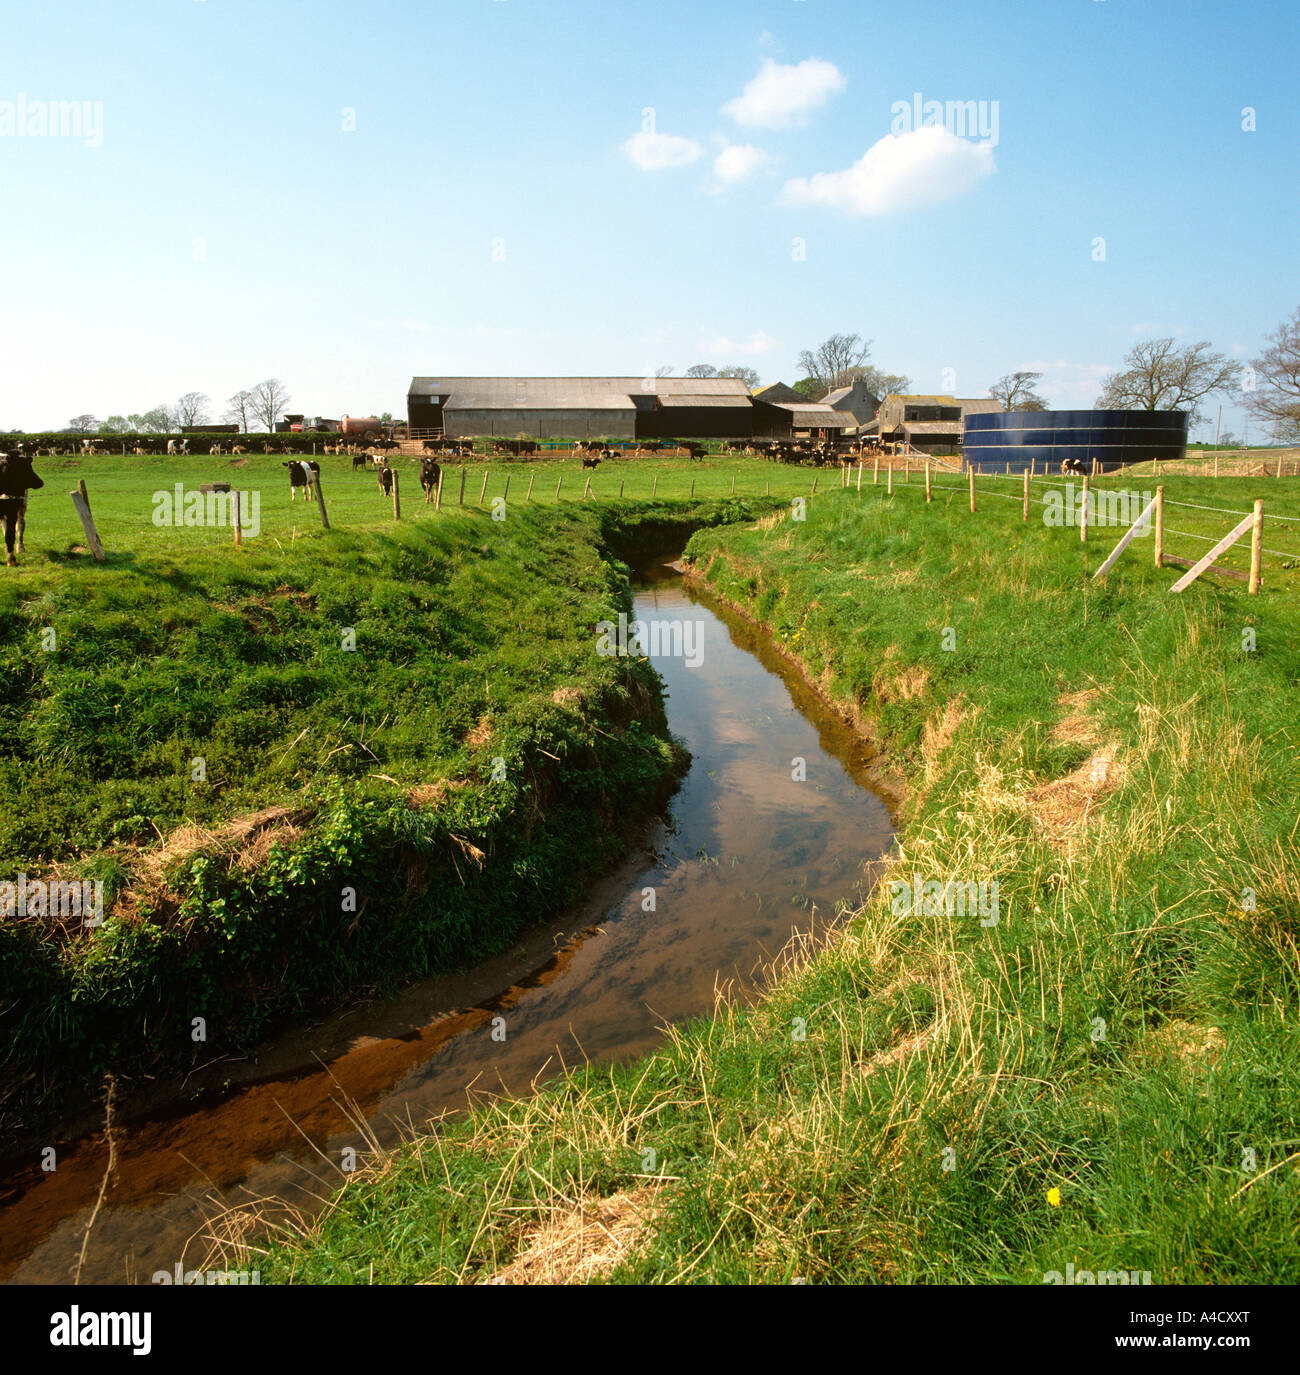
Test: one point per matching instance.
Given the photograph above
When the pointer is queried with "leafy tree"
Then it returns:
(83, 424)
(1275, 398)
(1158, 376)
(1015, 392)
(115, 424)
(809, 387)
(882, 384)
(159, 420)
(748, 376)
(702, 370)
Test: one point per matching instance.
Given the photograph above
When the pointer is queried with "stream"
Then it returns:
(746, 857)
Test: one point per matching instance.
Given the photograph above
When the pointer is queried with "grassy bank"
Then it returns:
(305, 772)
(1103, 1073)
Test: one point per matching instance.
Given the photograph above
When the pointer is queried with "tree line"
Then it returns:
(259, 407)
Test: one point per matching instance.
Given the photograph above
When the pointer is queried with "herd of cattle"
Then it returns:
(18, 476)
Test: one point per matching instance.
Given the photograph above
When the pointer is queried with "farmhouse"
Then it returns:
(857, 400)
(580, 407)
(931, 423)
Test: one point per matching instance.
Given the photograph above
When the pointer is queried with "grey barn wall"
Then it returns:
(541, 424)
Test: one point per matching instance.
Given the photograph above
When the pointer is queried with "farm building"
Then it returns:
(777, 393)
(931, 423)
(580, 407)
(857, 400)
(800, 419)
(1011, 439)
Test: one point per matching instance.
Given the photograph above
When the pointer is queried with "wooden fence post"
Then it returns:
(461, 500)
(529, 496)
(1256, 545)
(654, 490)
(733, 486)
(1160, 527)
(88, 525)
(692, 488)
(1083, 512)
(397, 495)
(557, 486)
(1026, 514)
(482, 491)
(859, 476)
(320, 501)
(1216, 465)
(971, 474)
(239, 529)
(927, 480)
(875, 471)
(586, 491)
(889, 481)
(437, 496)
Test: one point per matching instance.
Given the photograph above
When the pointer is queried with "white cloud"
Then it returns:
(738, 161)
(655, 152)
(781, 94)
(898, 172)
(727, 350)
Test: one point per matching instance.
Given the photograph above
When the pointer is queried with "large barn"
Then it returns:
(580, 407)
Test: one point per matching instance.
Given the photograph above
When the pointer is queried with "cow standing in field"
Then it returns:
(590, 460)
(17, 478)
(302, 473)
(429, 474)
(386, 479)
(1073, 465)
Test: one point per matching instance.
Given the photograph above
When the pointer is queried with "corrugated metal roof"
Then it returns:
(734, 402)
(979, 405)
(815, 416)
(567, 393)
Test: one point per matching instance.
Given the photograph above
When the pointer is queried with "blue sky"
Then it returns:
(496, 204)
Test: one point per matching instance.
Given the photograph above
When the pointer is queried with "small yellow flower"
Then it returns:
(1054, 1197)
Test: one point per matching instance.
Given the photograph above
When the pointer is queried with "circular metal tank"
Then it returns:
(1114, 438)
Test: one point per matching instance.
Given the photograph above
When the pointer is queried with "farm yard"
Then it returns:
(1117, 757)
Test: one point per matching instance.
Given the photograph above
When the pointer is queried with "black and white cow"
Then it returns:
(17, 478)
(429, 474)
(302, 473)
(1073, 465)
(385, 478)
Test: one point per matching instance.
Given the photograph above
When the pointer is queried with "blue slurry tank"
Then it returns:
(994, 439)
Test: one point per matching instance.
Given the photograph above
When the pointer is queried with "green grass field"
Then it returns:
(1106, 1076)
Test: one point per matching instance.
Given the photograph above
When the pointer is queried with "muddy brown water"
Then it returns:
(745, 858)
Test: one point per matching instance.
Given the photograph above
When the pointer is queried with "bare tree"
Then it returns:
(1275, 397)
(1015, 392)
(701, 370)
(1158, 377)
(834, 361)
(239, 410)
(664, 370)
(749, 376)
(192, 408)
(269, 401)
